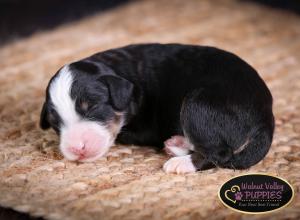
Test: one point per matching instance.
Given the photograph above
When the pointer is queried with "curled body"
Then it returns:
(205, 106)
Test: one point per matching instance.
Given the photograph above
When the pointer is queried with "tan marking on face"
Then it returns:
(84, 106)
(115, 125)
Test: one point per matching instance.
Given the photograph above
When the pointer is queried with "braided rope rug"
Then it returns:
(129, 182)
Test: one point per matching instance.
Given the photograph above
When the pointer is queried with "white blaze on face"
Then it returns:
(60, 94)
(79, 139)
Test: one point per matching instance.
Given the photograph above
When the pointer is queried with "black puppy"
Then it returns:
(205, 105)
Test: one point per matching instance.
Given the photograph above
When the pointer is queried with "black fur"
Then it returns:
(209, 95)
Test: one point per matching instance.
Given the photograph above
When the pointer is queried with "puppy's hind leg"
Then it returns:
(201, 122)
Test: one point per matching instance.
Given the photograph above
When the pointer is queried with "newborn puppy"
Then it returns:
(206, 106)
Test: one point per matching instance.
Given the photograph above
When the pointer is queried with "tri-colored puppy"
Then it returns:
(206, 106)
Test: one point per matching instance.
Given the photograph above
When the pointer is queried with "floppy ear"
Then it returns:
(44, 124)
(120, 91)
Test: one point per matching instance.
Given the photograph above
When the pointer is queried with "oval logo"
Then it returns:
(256, 193)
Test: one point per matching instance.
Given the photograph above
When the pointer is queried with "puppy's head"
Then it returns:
(86, 108)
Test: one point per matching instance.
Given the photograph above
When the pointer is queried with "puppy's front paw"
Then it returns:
(182, 164)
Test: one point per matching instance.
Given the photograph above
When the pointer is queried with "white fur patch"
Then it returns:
(178, 151)
(181, 164)
(60, 94)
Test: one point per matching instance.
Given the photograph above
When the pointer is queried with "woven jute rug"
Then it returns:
(129, 182)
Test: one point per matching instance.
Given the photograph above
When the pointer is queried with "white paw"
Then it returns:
(182, 164)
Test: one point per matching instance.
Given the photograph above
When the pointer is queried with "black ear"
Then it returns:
(120, 91)
(44, 124)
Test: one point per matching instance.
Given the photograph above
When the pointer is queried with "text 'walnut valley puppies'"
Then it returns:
(206, 106)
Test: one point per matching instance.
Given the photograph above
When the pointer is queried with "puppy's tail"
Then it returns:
(252, 151)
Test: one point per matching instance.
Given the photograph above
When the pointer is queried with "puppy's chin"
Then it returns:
(85, 141)
(94, 158)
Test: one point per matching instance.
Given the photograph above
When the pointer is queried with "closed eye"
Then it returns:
(86, 106)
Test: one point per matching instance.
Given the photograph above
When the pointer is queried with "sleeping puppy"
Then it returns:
(205, 106)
